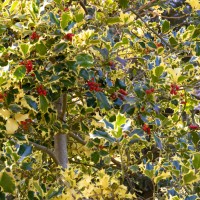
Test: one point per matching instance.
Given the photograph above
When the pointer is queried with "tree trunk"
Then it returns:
(60, 139)
(60, 149)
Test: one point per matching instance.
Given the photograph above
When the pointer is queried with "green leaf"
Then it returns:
(103, 134)
(190, 178)
(163, 176)
(54, 20)
(31, 102)
(43, 103)
(120, 120)
(102, 100)
(20, 72)
(152, 45)
(58, 1)
(60, 47)
(84, 73)
(7, 182)
(2, 28)
(149, 173)
(15, 108)
(95, 157)
(38, 188)
(159, 70)
(165, 26)
(196, 33)
(196, 160)
(79, 17)
(24, 49)
(197, 49)
(84, 60)
(41, 49)
(124, 3)
(65, 20)
(173, 41)
(3, 63)
(13, 6)
(182, 78)
(113, 20)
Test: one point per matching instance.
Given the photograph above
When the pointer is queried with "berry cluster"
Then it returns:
(174, 89)
(193, 126)
(25, 124)
(28, 64)
(41, 91)
(93, 86)
(34, 36)
(121, 94)
(146, 129)
(149, 91)
(69, 36)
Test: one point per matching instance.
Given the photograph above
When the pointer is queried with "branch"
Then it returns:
(151, 29)
(175, 17)
(147, 5)
(45, 150)
(77, 138)
(83, 6)
(64, 106)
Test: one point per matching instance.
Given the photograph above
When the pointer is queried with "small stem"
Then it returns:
(151, 29)
(45, 150)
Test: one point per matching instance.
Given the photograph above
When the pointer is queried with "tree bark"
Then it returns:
(60, 149)
(60, 139)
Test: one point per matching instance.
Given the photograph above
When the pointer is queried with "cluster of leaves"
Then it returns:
(130, 80)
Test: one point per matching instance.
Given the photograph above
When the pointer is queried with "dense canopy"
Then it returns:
(99, 99)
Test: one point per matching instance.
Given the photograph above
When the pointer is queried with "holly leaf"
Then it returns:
(7, 182)
(103, 101)
(43, 104)
(20, 72)
(24, 49)
(165, 26)
(84, 60)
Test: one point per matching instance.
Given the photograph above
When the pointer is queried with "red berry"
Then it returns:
(146, 129)
(34, 36)
(69, 36)
(149, 91)
(28, 64)
(93, 86)
(41, 91)
(193, 126)
(183, 102)
(123, 92)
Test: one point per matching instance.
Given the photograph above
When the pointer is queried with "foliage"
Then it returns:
(126, 77)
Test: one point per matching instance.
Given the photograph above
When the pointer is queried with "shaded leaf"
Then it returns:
(43, 104)
(103, 101)
(84, 60)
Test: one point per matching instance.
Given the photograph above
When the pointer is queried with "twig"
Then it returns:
(175, 17)
(151, 29)
(45, 150)
(147, 5)
(77, 138)
(83, 6)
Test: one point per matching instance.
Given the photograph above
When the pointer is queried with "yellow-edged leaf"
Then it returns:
(11, 126)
